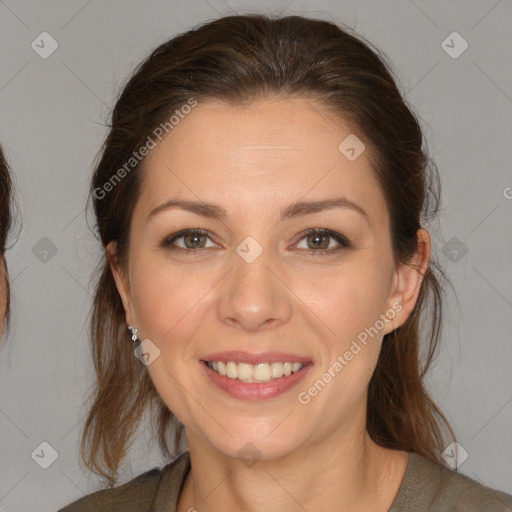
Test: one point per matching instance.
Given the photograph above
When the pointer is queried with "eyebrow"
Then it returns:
(297, 209)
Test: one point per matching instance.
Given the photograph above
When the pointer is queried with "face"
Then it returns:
(262, 277)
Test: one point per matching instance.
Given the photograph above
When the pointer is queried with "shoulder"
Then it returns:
(137, 495)
(131, 496)
(428, 485)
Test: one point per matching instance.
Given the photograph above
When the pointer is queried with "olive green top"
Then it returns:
(427, 486)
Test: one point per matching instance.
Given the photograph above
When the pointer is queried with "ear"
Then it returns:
(407, 282)
(122, 282)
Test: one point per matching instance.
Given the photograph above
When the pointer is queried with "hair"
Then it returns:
(238, 60)
(6, 190)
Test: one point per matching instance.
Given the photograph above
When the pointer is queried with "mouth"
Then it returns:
(253, 373)
(247, 376)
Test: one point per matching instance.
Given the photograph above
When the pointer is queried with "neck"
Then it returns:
(356, 474)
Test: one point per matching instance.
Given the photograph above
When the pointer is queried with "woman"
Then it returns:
(261, 198)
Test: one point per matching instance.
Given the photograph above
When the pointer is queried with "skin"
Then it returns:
(254, 161)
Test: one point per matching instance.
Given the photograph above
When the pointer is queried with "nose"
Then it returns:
(254, 294)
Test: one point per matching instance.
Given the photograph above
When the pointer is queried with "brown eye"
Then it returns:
(319, 241)
(195, 241)
(190, 240)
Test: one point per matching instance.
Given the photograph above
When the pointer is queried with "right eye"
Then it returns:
(193, 239)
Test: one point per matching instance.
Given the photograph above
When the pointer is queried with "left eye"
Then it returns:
(320, 240)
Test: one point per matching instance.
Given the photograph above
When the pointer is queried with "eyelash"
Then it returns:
(343, 241)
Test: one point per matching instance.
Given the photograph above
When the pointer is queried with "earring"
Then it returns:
(134, 332)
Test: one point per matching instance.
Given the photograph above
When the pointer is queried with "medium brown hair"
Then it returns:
(239, 59)
(6, 204)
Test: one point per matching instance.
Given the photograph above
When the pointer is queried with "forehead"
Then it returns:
(262, 156)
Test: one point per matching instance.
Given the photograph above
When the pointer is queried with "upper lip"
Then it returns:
(255, 358)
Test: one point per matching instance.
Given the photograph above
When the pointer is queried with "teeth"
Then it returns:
(221, 367)
(262, 372)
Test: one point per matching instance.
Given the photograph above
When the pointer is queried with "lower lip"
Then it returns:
(255, 391)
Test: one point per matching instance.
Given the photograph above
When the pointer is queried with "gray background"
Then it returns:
(52, 112)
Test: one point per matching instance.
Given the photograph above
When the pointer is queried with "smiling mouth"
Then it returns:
(261, 372)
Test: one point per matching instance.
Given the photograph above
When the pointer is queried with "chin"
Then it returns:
(254, 446)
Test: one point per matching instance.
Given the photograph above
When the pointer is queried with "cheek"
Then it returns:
(170, 307)
(349, 303)
(166, 301)
(347, 299)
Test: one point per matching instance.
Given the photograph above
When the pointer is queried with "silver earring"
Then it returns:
(134, 332)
